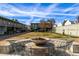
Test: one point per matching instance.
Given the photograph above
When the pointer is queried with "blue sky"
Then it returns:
(34, 12)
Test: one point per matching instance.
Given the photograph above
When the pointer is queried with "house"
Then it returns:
(42, 26)
(45, 26)
(34, 26)
(8, 26)
(67, 22)
(59, 24)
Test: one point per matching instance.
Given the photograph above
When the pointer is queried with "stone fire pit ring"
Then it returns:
(39, 40)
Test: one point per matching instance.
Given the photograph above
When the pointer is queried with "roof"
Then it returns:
(6, 19)
(10, 20)
(72, 22)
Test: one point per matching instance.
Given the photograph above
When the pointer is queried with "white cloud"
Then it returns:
(17, 12)
(71, 8)
(30, 13)
(64, 14)
(4, 13)
(11, 10)
(51, 8)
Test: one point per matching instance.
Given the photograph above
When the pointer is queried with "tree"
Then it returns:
(51, 24)
(42, 20)
(52, 20)
(15, 20)
(64, 22)
(77, 21)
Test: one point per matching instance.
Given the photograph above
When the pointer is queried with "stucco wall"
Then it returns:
(72, 29)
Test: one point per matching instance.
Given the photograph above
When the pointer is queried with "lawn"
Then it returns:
(42, 34)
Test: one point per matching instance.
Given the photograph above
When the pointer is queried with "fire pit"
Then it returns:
(39, 41)
(39, 47)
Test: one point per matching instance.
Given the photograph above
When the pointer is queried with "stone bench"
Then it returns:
(4, 47)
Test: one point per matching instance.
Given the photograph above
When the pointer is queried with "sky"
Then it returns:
(34, 12)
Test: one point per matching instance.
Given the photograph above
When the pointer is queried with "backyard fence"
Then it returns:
(72, 30)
